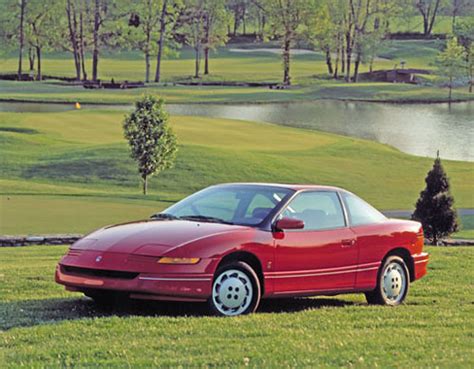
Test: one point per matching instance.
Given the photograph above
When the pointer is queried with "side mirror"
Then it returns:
(289, 223)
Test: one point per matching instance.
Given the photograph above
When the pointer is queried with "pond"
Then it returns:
(418, 129)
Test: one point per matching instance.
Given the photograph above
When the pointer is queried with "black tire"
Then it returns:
(246, 290)
(398, 280)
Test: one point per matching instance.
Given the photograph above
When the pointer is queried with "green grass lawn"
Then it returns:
(225, 64)
(71, 171)
(467, 227)
(42, 326)
(323, 89)
(308, 72)
(443, 24)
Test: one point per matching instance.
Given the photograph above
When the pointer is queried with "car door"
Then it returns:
(321, 256)
(373, 239)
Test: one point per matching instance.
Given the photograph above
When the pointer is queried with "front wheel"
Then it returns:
(235, 290)
(392, 284)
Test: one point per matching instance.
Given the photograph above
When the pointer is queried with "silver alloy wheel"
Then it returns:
(394, 283)
(232, 292)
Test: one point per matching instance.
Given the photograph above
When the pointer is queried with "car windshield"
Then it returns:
(233, 204)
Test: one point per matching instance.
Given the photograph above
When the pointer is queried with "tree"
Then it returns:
(434, 209)
(40, 23)
(337, 17)
(99, 9)
(257, 13)
(10, 11)
(215, 27)
(322, 33)
(429, 10)
(366, 22)
(21, 37)
(459, 7)
(74, 34)
(106, 17)
(286, 20)
(370, 44)
(470, 65)
(191, 26)
(238, 9)
(151, 140)
(202, 25)
(451, 62)
(464, 30)
(149, 30)
(84, 19)
(352, 30)
(169, 14)
(80, 20)
(144, 22)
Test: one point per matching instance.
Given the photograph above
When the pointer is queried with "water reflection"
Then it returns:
(419, 129)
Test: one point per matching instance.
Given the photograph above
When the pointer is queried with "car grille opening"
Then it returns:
(74, 252)
(98, 272)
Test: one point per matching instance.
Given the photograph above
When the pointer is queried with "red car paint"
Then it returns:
(293, 262)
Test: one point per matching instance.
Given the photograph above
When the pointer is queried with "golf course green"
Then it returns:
(71, 171)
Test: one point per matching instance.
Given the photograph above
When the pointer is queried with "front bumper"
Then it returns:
(139, 277)
(420, 262)
(145, 286)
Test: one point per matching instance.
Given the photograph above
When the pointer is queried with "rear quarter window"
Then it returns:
(360, 212)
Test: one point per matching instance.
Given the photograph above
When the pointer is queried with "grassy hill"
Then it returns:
(71, 171)
(42, 326)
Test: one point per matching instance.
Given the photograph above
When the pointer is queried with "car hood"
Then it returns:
(151, 237)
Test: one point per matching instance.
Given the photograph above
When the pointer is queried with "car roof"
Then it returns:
(295, 187)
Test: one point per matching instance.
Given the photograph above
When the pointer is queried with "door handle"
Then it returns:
(348, 243)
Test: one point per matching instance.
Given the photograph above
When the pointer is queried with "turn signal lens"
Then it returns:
(167, 260)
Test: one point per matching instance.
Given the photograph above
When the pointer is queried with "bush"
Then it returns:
(434, 208)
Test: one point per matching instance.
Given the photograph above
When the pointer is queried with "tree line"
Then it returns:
(348, 32)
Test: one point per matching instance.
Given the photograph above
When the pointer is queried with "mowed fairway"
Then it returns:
(71, 171)
(247, 62)
(323, 89)
(234, 62)
(45, 327)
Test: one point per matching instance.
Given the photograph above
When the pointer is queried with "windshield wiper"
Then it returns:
(204, 218)
(165, 216)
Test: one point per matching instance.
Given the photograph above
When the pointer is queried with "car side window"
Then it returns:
(318, 209)
(360, 212)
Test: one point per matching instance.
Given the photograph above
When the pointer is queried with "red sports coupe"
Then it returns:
(234, 244)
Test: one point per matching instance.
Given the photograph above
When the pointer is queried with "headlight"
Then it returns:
(167, 260)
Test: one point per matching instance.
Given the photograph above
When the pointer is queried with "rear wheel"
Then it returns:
(235, 290)
(393, 283)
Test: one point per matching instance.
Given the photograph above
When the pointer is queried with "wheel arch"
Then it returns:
(247, 257)
(404, 253)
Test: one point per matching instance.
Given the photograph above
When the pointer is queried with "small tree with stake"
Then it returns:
(451, 62)
(152, 142)
(434, 208)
